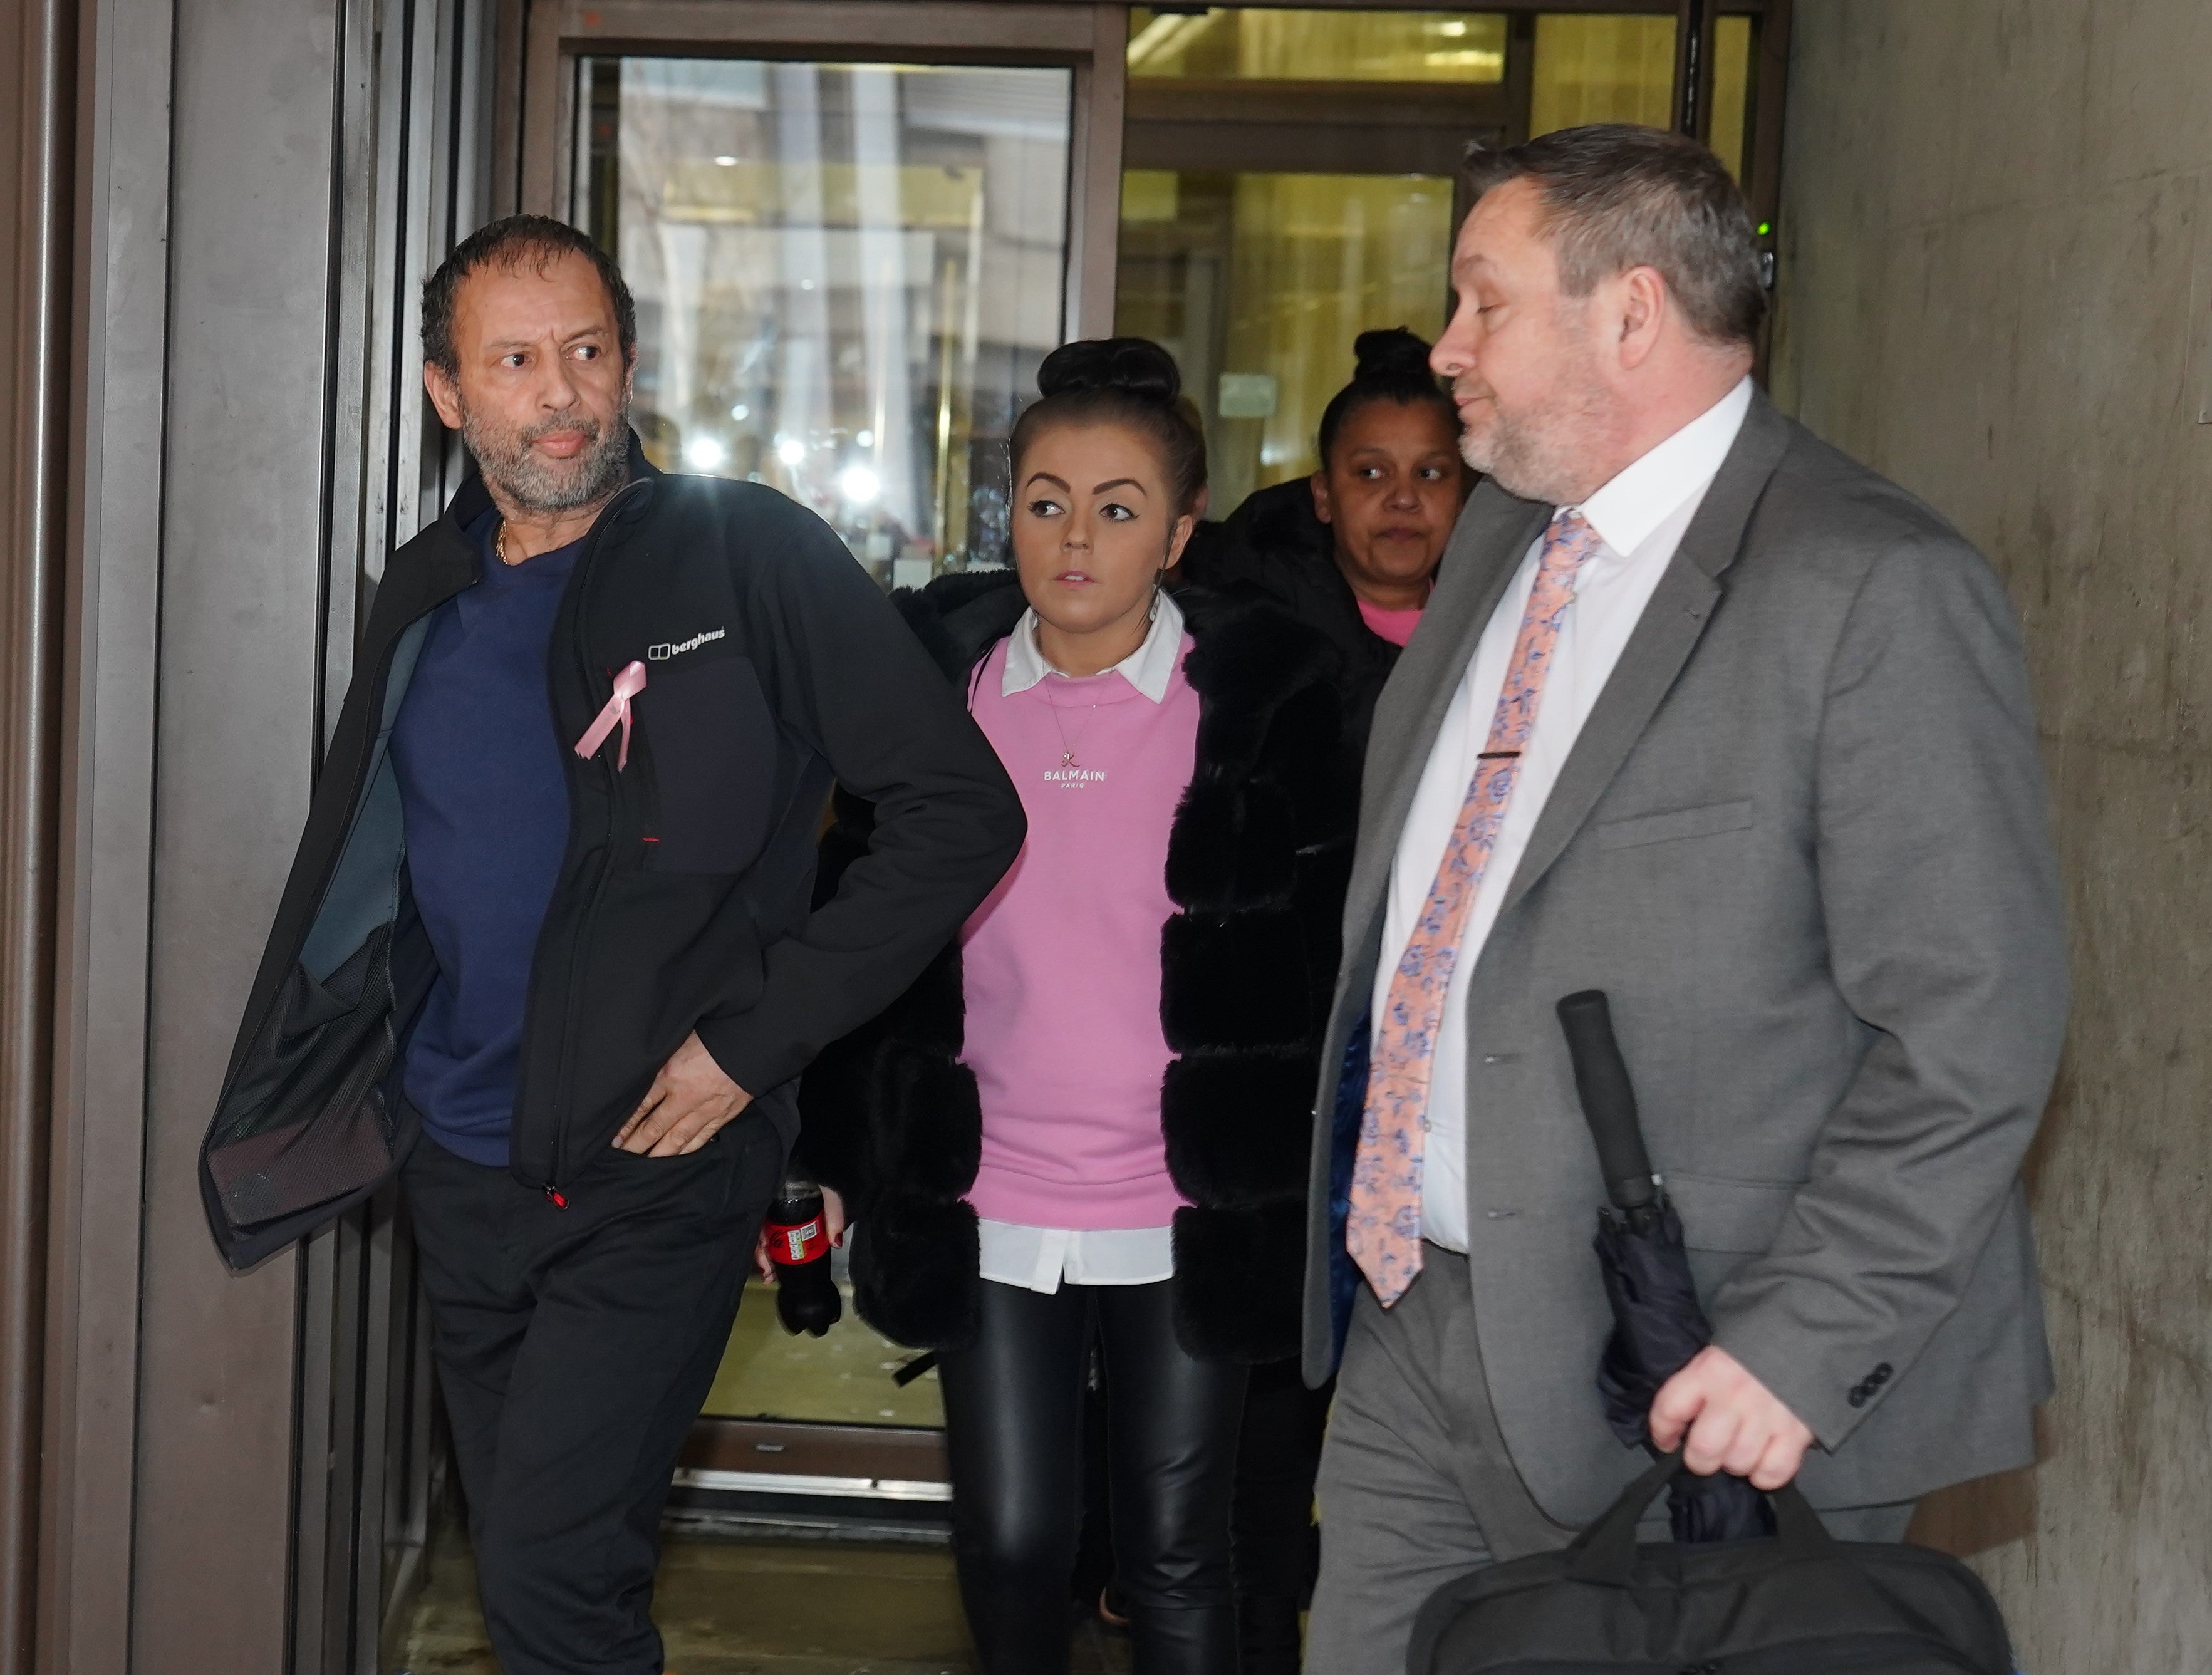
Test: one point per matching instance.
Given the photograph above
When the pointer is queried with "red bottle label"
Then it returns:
(795, 1244)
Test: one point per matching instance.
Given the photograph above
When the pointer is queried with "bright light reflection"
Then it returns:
(726, 163)
(741, 412)
(858, 484)
(791, 451)
(704, 453)
(866, 439)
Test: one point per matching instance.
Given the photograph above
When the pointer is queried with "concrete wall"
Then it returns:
(1996, 277)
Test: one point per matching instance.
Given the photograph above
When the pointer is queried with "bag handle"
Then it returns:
(1605, 1551)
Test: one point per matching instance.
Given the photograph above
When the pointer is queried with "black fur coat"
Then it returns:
(1257, 863)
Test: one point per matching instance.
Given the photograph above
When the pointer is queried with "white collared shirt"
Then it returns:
(1640, 516)
(1038, 1259)
(1149, 668)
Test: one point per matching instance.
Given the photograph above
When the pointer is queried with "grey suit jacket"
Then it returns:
(1803, 843)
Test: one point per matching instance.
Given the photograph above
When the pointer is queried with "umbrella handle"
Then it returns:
(1608, 1100)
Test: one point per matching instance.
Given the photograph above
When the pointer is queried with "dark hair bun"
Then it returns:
(1135, 365)
(1390, 365)
(1392, 354)
(1129, 381)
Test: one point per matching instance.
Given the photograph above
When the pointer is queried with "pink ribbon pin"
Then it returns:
(628, 685)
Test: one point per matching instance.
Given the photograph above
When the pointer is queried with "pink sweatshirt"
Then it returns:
(1395, 626)
(1062, 962)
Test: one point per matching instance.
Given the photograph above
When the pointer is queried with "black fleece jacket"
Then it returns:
(774, 665)
(1258, 857)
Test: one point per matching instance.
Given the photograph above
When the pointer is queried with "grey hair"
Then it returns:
(1617, 197)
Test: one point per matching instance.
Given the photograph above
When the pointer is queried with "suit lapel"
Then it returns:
(1491, 538)
(1665, 636)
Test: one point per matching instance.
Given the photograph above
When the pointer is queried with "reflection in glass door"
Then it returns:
(846, 275)
(1289, 184)
(1258, 282)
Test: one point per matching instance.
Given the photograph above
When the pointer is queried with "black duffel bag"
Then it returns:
(1798, 1603)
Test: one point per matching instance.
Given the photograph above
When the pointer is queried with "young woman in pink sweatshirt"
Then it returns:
(1089, 1122)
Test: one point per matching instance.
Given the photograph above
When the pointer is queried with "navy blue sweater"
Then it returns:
(486, 805)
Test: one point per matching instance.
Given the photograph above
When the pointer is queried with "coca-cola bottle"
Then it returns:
(798, 1233)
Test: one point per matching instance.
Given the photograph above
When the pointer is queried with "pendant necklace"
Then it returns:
(1066, 748)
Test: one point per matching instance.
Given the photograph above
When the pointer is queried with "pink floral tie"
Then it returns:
(1383, 1233)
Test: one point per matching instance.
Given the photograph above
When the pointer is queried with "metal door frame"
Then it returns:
(414, 158)
(1091, 40)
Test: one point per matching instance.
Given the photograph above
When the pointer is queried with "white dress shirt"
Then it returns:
(1149, 668)
(1640, 517)
(1037, 1258)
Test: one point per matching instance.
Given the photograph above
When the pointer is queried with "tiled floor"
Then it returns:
(760, 1608)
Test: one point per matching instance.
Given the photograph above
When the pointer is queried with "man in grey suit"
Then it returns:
(1707, 716)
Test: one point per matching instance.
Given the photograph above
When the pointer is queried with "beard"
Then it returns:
(534, 482)
(1542, 452)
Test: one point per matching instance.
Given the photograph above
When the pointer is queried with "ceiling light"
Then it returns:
(704, 453)
(726, 163)
(741, 411)
(858, 484)
(866, 439)
(791, 451)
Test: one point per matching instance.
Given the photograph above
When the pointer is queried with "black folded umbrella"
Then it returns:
(1658, 1323)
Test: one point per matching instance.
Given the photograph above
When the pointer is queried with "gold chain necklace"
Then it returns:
(1067, 749)
(499, 543)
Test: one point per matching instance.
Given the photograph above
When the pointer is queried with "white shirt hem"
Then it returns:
(1039, 1259)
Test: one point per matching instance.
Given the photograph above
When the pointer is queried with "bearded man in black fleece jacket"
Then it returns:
(547, 949)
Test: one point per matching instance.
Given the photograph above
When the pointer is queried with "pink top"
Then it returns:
(1062, 962)
(1394, 626)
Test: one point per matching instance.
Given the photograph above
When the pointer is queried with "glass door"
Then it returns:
(1291, 180)
(1258, 281)
(846, 274)
(1290, 183)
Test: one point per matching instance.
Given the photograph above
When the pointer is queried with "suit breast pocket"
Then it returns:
(713, 750)
(1676, 824)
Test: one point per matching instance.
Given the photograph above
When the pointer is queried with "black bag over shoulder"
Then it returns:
(1798, 1603)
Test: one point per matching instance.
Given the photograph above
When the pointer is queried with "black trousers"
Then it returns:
(1277, 1547)
(574, 1347)
(1013, 1417)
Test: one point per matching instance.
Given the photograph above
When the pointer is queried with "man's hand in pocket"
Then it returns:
(687, 1102)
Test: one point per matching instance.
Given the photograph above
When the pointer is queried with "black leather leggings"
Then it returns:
(1013, 1421)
